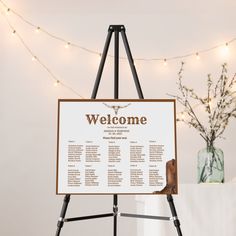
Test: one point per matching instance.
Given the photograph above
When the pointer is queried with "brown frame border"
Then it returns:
(116, 100)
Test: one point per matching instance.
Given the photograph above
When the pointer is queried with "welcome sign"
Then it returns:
(116, 146)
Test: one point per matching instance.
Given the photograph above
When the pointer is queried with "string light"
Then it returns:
(165, 62)
(56, 83)
(34, 58)
(227, 47)
(37, 30)
(124, 58)
(225, 50)
(99, 56)
(38, 60)
(67, 45)
(197, 56)
(8, 11)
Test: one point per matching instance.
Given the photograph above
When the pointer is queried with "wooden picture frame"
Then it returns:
(110, 146)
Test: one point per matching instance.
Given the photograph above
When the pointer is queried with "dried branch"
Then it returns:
(221, 94)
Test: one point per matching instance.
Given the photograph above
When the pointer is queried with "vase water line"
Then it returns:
(210, 165)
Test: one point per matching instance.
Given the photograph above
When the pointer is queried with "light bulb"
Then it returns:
(56, 83)
(37, 29)
(197, 56)
(67, 45)
(34, 58)
(226, 47)
(165, 62)
(8, 11)
(224, 50)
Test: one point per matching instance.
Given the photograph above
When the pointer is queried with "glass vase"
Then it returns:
(210, 165)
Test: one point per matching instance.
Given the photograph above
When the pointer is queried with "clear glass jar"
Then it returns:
(210, 165)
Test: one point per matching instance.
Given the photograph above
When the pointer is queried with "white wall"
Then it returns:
(28, 99)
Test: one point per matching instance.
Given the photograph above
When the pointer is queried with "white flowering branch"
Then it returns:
(218, 116)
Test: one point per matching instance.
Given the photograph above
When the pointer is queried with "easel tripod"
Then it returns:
(117, 29)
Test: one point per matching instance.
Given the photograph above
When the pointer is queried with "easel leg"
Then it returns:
(60, 222)
(102, 63)
(174, 214)
(131, 63)
(115, 211)
(116, 65)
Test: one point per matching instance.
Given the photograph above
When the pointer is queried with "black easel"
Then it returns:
(117, 29)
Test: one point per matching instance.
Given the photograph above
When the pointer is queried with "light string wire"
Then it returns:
(54, 77)
(69, 43)
(47, 32)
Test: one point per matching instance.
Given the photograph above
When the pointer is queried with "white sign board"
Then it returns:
(116, 146)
